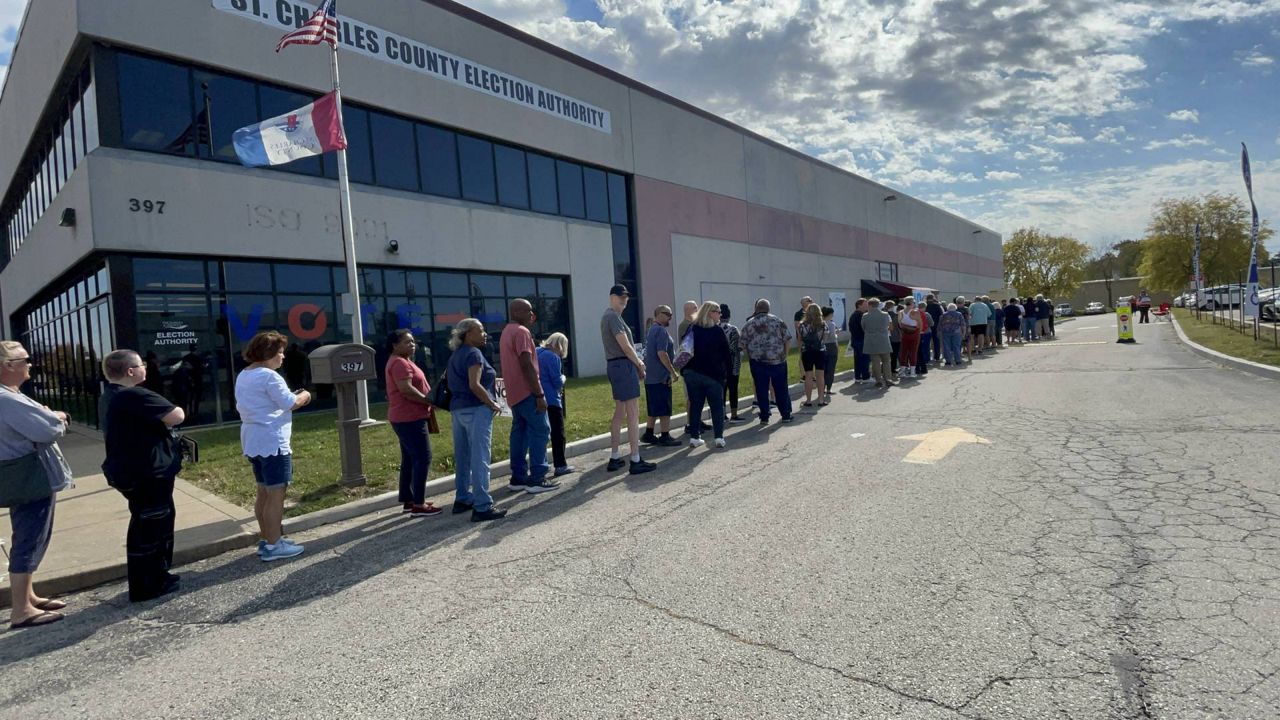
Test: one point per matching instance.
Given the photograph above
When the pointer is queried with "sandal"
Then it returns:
(50, 604)
(44, 618)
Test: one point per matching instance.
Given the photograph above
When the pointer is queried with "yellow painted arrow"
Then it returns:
(936, 445)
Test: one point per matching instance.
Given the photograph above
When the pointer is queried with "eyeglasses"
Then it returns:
(26, 360)
(135, 367)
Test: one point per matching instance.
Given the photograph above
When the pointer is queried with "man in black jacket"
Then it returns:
(142, 462)
(861, 361)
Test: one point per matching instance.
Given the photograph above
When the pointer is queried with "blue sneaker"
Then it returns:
(280, 551)
(261, 545)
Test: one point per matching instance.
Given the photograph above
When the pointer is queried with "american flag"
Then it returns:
(322, 27)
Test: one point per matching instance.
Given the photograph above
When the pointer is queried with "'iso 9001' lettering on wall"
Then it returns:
(392, 48)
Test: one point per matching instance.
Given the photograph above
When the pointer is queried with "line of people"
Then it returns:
(890, 339)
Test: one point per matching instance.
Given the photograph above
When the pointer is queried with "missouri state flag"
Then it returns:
(307, 131)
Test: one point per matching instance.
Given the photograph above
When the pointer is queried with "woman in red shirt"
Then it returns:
(407, 411)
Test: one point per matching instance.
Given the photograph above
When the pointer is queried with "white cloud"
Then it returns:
(1254, 59)
(1002, 175)
(1185, 141)
(1116, 204)
(1111, 135)
(1189, 115)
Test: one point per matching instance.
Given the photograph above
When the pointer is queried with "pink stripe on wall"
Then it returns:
(664, 209)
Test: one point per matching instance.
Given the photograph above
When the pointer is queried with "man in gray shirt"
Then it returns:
(659, 376)
(625, 371)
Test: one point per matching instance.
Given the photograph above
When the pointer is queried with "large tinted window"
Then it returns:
(597, 192)
(476, 159)
(302, 278)
(618, 199)
(155, 105)
(438, 160)
(233, 104)
(152, 274)
(394, 163)
(542, 184)
(278, 102)
(513, 186)
(569, 180)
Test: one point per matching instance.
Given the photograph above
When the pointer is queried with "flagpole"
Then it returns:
(349, 247)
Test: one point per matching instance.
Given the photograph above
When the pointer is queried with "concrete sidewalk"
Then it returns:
(91, 520)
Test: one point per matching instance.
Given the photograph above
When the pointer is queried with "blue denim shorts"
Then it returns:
(623, 379)
(273, 470)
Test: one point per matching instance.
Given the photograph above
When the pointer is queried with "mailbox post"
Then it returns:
(343, 366)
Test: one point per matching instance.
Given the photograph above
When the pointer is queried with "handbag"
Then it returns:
(24, 481)
(686, 352)
(441, 397)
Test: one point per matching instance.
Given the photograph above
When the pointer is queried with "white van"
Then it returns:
(1221, 296)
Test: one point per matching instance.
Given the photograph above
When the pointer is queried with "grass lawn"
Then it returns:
(223, 471)
(1229, 341)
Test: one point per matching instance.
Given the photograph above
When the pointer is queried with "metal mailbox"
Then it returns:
(345, 363)
(344, 366)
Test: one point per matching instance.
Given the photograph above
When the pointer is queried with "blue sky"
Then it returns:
(1075, 117)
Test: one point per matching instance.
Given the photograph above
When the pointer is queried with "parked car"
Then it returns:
(1268, 311)
(1267, 294)
(1094, 308)
(1063, 310)
(1180, 301)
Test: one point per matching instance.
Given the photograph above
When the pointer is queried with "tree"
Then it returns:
(1035, 262)
(1169, 247)
(1102, 266)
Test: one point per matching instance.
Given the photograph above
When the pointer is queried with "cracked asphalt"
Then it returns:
(1114, 553)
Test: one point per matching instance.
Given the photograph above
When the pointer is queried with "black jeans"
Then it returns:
(556, 416)
(731, 391)
(415, 460)
(704, 390)
(1144, 311)
(149, 542)
(893, 358)
(829, 370)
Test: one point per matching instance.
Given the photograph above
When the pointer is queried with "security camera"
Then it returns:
(393, 246)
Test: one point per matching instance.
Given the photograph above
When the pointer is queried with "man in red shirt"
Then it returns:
(530, 428)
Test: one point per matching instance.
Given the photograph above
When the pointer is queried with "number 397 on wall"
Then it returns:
(146, 206)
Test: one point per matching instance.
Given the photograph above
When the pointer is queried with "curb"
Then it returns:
(85, 578)
(1234, 363)
(445, 484)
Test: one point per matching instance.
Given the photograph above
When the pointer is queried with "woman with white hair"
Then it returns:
(472, 382)
(34, 472)
(551, 375)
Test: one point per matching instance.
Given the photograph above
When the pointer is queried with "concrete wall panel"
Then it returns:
(48, 35)
(50, 250)
(685, 149)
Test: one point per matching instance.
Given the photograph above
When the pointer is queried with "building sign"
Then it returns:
(395, 49)
(175, 333)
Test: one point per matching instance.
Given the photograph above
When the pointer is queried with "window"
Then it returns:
(887, 271)
(155, 274)
(233, 104)
(155, 105)
(597, 193)
(542, 184)
(487, 286)
(438, 161)
(513, 181)
(275, 101)
(475, 157)
(449, 284)
(569, 181)
(623, 269)
(617, 199)
(521, 287)
(302, 278)
(247, 276)
(394, 163)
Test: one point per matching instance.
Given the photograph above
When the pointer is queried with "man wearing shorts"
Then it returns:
(979, 314)
(659, 376)
(625, 371)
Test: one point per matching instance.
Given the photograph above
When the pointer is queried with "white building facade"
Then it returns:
(486, 165)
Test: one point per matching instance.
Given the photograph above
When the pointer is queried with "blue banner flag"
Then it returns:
(1251, 294)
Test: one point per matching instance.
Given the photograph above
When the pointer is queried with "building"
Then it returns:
(1108, 291)
(486, 164)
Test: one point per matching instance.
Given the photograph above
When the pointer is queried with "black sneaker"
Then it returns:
(788, 418)
(461, 507)
(648, 438)
(667, 441)
(541, 487)
(642, 466)
(616, 464)
(490, 514)
(764, 421)
(517, 485)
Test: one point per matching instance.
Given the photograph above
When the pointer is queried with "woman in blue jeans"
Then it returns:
(704, 376)
(471, 380)
(408, 410)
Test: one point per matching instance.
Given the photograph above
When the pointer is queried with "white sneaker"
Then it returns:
(696, 442)
(719, 442)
